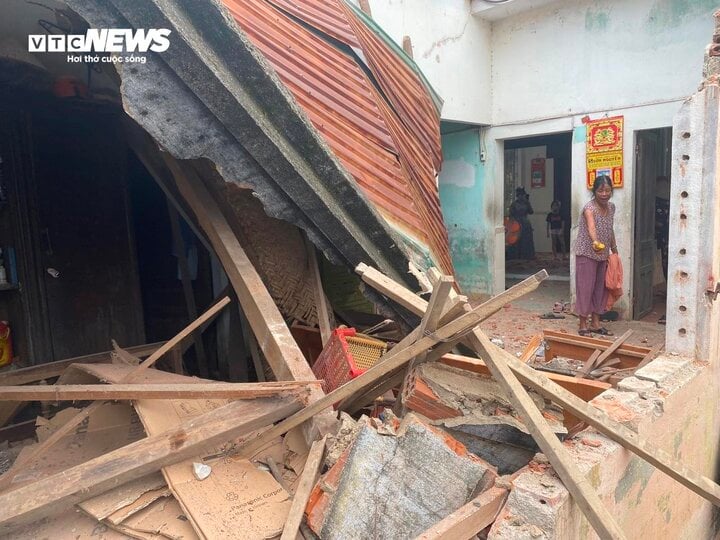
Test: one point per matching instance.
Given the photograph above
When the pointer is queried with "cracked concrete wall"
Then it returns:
(671, 404)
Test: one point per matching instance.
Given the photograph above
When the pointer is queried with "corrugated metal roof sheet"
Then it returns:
(384, 131)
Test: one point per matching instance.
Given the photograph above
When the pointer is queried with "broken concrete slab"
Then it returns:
(398, 486)
(474, 410)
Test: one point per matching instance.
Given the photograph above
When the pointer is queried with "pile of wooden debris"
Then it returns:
(157, 454)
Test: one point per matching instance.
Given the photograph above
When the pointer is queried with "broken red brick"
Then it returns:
(591, 442)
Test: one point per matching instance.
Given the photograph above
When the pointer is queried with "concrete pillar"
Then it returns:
(693, 315)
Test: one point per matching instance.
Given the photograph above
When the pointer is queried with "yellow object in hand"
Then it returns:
(598, 246)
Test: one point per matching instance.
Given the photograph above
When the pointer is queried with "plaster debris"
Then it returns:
(201, 471)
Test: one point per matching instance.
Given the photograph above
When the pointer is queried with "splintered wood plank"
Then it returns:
(576, 483)
(266, 321)
(612, 348)
(588, 365)
(309, 476)
(70, 392)
(470, 519)
(43, 447)
(699, 484)
(321, 304)
(397, 357)
(55, 369)
(57, 492)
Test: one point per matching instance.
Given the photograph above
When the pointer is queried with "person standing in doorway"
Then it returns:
(556, 230)
(520, 209)
(595, 241)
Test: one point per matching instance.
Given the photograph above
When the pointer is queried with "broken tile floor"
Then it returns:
(520, 321)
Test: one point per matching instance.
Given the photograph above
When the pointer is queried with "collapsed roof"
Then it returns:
(213, 95)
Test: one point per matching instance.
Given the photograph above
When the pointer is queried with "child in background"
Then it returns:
(556, 230)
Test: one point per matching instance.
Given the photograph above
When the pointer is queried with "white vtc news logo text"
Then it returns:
(103, 40)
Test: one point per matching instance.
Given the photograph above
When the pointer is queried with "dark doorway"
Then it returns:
(541, 167)
(86, 255)
(652, 205)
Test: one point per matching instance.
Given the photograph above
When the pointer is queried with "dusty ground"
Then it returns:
(519, 321)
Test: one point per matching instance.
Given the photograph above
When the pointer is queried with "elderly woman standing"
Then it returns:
(595, 241)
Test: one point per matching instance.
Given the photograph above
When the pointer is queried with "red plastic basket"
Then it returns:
(346, 356)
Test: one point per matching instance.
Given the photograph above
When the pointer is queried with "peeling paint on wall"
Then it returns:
(457, 172)
(637, 473)
(462, 197)
(596, 20)
(669, 13)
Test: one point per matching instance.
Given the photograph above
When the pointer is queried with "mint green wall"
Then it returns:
(462, 197)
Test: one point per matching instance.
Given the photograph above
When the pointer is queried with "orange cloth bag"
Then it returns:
(613, 280)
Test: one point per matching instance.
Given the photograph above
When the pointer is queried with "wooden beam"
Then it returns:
(68, 426)
(470, 519)
(397, 357)
(383, 284)
(562, 462)
(84, 392)
(50, 370)
(588, 344)
(353, 404)
(588, 365)
(627, 438)
(650, 356)
(308, 477)
(428, 324)
(60, 491)
(188, 291)
(612, 348)
(272, 334)
(372, 277)
(585, 389)
(320, 300)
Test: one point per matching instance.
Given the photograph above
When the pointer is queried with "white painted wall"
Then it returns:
(584, 56)
(636, 118)
(450, 46)
(551, 66)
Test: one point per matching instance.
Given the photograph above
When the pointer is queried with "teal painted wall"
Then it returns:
(462, 197)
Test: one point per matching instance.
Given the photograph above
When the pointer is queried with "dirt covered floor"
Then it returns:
(520, 321)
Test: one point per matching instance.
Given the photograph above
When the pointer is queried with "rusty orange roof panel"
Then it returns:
(377, 117)
(323, 15)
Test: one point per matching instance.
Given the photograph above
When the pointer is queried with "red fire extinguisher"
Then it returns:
(6, 352)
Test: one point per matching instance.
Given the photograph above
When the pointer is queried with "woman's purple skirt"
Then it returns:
(590, 292)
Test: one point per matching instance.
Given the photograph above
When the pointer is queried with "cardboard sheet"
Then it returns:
(110, 502)
(111, 426)
(236, 491)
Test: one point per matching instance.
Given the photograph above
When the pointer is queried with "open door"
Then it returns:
(647, 154)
